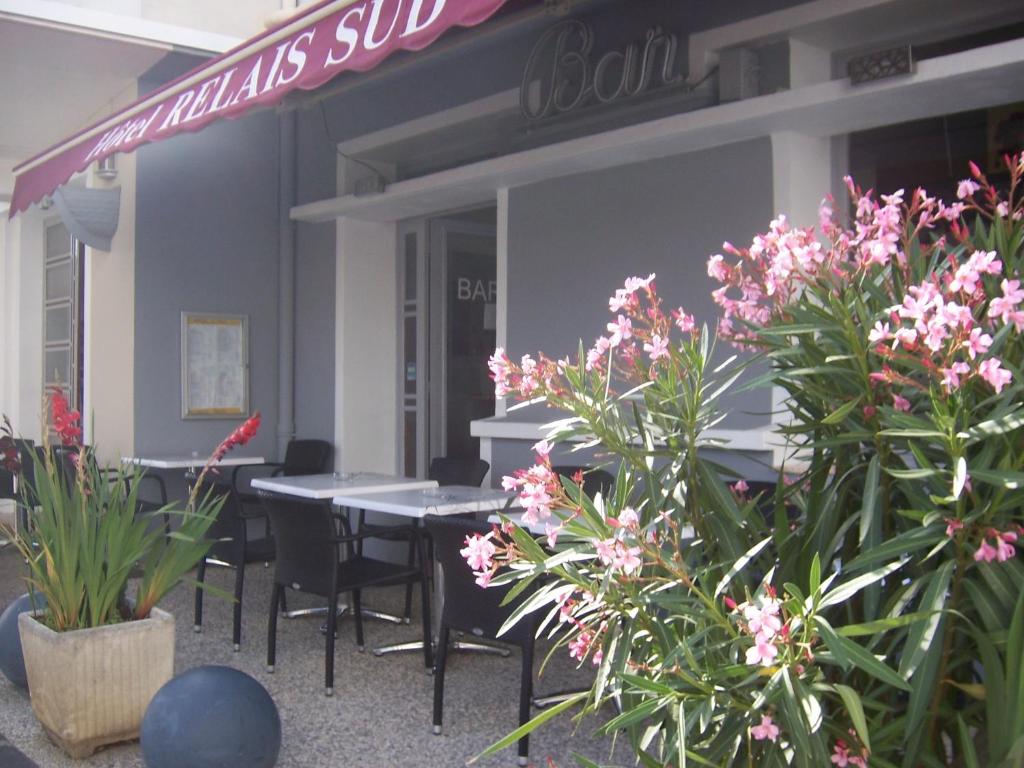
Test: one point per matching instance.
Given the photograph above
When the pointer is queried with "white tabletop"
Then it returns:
(443, 500)
(187, 462)
(329, 486)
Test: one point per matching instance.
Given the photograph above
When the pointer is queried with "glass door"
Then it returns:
(412, 338)
(463, 287)
(447, 283)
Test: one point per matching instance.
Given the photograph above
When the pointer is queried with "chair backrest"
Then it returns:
(594, 480)
(228, 530)
(307, 457)
(447, 470)
(304, 533)
(467, 606)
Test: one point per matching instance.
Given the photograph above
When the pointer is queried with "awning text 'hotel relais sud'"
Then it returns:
(319, 43)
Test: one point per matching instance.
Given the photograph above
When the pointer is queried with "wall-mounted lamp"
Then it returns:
(46, 203)
(107, 168)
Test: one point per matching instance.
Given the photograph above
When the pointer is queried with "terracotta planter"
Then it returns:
(91, 687)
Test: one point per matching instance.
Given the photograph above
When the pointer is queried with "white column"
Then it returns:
(109, 353)
(801, 177)
(366, 346)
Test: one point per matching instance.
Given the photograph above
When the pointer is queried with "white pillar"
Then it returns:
(366, 346)
(801, 177)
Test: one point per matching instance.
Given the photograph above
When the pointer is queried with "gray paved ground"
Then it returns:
(380, 716)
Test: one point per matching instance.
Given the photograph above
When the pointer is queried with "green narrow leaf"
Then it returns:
(959, 477)
(841, 412)
(860, 657)
(543, 717)
(921, 635)
(881, 625)
(869, 509)
(856, 711)
(847, 589)
(740, 564)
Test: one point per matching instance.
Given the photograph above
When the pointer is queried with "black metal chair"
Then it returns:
(301, 457)
(448, 470)
(470, 608)
(594, 480)
(233, 548)
(317, 553)
(445, 470)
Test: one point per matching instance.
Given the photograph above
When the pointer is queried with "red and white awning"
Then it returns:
(328, 38)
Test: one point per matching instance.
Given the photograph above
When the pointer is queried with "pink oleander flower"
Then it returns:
(528, 381)
(479, 551)
(900, 403)
(966, 189)
(717, 268)
(762, 652)
(684, 322)
(542, 449)
(1005, 306)
(1003, 550)
(951, 375)
(657, 347)
(625, 297)
(879, 333)
(1004, 546)
(952, 526)
(551, 532)
(618, 556)
(483, 579)
(580, 645)
(740, 487)
(628, 518)
(595, 355)
(619, 331)
(762, 620)
(996, 376)
(977, 343)
(766, 730)
(841, 756)
(499, 365)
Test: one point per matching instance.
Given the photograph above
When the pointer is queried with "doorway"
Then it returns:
(448, 279)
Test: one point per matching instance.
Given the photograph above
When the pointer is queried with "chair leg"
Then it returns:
(275, 598)
(332, 625)
(440, 662)
(197, 623)
(236, 630)
(427, 623)
(407, 612)
(525, 694)
(284, 602)
(357, 610)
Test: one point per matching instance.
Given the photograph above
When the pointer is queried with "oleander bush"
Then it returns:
(870, 609)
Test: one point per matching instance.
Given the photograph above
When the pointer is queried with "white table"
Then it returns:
(416, 504)
(189, 462)
(332, 485)
(327, 486)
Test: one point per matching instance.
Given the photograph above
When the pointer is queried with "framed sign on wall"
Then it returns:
(214, 365)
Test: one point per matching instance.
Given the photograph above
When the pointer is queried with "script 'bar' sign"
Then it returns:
(328, 38)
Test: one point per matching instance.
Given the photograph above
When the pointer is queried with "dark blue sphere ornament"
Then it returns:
(211, 717)
(12, 662)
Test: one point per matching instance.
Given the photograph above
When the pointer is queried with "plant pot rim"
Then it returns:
(30, 620)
